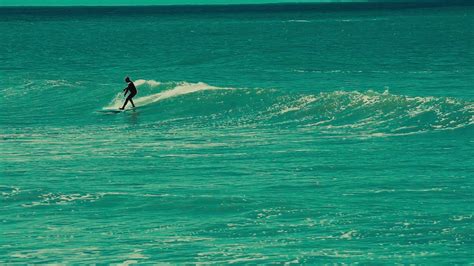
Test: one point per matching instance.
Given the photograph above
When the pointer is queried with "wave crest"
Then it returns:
(366, 112)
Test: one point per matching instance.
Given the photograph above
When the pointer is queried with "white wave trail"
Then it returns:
(180, 89)
(151, 83)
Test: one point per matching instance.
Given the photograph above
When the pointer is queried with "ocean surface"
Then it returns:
(299, 135)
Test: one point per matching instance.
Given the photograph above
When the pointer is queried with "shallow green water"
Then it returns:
(302, 136)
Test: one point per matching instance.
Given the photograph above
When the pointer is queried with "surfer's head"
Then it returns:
(127, 79)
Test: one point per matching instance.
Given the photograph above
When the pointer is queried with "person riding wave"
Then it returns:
(133, 91)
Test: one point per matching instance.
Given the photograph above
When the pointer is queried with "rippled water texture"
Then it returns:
(307, 136)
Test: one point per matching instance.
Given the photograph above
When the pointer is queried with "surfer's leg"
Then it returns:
(124, 104)
(131, 101)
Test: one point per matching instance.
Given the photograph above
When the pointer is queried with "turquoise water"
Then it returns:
(305, 136)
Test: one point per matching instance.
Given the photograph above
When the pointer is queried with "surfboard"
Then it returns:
(115, 110)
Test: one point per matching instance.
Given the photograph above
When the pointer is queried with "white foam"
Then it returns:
(348, 235)
(181, 89)
(151, 83)
(298, 20)
(299, 104)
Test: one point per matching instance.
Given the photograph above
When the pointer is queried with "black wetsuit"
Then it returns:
(133, 91)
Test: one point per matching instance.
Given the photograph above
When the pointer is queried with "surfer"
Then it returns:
(133, 91)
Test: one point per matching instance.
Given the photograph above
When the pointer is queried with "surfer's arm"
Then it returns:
(125, 91)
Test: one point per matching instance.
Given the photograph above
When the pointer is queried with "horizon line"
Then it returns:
(358, 2)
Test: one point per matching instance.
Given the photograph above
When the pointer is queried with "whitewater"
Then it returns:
(308, 136)
(366, 113)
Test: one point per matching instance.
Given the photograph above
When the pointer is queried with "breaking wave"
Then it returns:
(369, 111)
